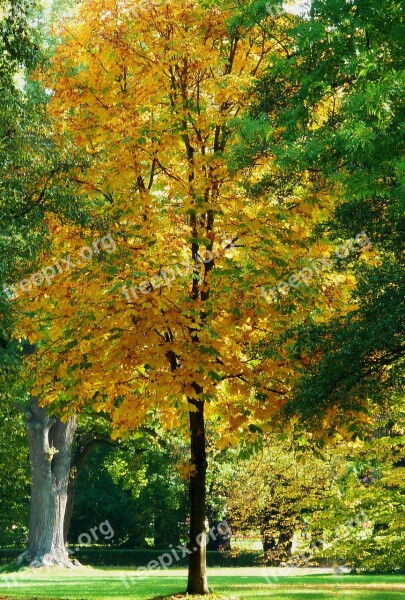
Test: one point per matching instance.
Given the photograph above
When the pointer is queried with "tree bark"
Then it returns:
(197, 572)
(50, 442)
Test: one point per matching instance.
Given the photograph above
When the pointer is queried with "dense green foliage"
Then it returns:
(348, 58)
(14, 479)
(337, 101)
(138, 490)
(19, 41)
(19, 237)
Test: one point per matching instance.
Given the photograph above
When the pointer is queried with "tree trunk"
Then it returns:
(70, 504)
(269, 543)
(50, 442)
(277, 537)
(197, 572)
(285, 542)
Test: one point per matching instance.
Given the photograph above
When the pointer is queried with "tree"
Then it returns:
(348, 59)
(28, 193)
(152, 93)
(353, 53)
(275, 493)
(50, 442)
(98, 498)
(20, 223)
(159, 493)
(362, 522)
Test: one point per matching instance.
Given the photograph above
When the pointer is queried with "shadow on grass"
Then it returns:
(194, 597)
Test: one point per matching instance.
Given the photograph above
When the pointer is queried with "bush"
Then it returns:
(108, 557)
(8, 555)
(140, 558)
(373, 556)
(378, 557)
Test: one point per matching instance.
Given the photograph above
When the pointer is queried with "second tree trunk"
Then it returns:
(50, 442)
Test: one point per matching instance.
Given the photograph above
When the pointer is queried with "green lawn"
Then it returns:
(235, 584)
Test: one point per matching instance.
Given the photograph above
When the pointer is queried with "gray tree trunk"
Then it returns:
(50, 442)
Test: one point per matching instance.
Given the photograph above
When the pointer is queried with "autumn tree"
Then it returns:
(168, 324)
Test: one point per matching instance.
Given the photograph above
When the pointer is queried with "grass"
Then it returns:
(227, 584)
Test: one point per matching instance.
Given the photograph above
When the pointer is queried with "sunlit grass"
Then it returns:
(229, 584)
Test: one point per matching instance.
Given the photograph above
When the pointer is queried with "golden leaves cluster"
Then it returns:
(151, 93)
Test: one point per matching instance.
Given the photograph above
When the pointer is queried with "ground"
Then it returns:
(226, 584)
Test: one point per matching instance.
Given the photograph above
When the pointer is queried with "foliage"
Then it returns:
(97, 500)
(343, 504)
(137, 487)
(159, 492)
(276, 494)
(337, 101)
(369, 484)
(18, 242)
(19, 38)
(33, 171)
(14, 478)
(166, 185)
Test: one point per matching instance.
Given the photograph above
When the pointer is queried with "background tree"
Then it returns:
(157, 488)
(275, 493)
(369, 482)
(337, 97)
(33, 182)
(337, 100)
(18, 245)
